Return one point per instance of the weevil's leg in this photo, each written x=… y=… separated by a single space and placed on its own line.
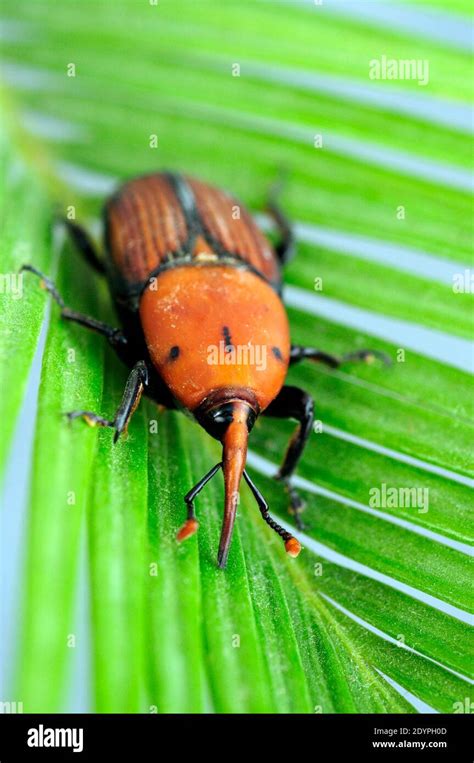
x=191 y=524
x=285 y=247
x=115 y=336
x=136 y=382
x=93 y=419
x=84 y=245
x=294 y=403
x=292 y=546
x=298 y=353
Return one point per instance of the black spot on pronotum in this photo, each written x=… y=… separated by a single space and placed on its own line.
x=227 y=339
x=174 y=352
x=277 y=353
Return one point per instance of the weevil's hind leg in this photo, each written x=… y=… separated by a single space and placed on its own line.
x=298 y=353
x=292 y=545
x=285 y=247
x=115 y=336
x=84 y=245
x=191 y=524
x=294 y=403
x=136 y=382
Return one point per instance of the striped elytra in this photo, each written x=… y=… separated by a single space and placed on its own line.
x=163 y=219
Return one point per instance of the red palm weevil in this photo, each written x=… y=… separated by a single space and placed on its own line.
x=189 y=271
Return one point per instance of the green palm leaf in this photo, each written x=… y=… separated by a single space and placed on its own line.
x=373 y=617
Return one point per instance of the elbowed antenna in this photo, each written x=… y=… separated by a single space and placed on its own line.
x=234 y=457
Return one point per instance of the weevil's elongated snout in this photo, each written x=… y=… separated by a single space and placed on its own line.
x=230 y=421
x=234 y=457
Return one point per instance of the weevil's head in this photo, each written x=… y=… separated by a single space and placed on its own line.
x=225 y=407
x=229 y=415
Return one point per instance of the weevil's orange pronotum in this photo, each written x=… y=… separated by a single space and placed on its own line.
x=197 y=288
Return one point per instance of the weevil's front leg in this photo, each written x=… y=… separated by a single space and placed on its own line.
x=115 y=336
x=298 y=353
x=294 y=403
x=136 y=382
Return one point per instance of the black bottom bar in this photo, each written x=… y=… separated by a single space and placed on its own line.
x=155 y=737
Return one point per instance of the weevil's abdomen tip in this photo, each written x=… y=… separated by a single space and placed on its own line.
x=188 y=529
x=293 y=547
